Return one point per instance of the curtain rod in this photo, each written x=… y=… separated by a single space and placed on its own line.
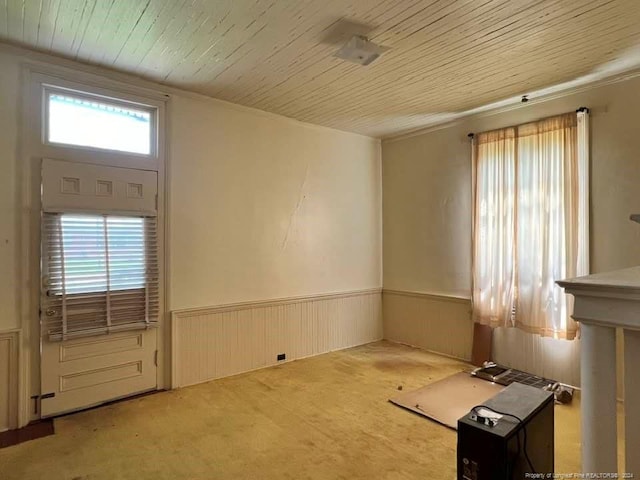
x=579 y=110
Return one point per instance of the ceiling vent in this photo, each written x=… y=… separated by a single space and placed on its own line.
x=360 y=50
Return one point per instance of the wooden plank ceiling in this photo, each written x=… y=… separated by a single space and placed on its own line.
x=444 y=56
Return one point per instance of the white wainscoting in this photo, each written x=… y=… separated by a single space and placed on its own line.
x=215 y=342
x=438 y=323
x=443 y=324
x=8 y=380
x=543 y=356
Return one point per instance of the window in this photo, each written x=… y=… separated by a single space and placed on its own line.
x=101 y=273
x=530 y=223
x=102 y=252
x=86 y=121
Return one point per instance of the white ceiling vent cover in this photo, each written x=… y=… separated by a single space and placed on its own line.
x=360 y=50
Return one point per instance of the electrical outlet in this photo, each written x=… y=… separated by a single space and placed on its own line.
x=282 y=356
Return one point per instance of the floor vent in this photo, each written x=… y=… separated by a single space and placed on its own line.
x=502 y=375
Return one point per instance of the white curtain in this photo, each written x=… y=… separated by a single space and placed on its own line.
x=530 y=223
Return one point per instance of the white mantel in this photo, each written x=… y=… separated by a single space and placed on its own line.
x=604 y=302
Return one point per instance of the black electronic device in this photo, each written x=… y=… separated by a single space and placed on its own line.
x=507 y=437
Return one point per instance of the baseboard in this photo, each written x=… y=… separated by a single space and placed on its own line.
x=34 y=430
x=453 y=357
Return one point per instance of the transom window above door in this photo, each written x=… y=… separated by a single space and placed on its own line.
x=82 y=120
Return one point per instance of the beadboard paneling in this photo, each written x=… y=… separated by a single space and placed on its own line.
x=443 y=324
x=8 y=379
x=215 y=342
x=437 y=323
x=543 y=356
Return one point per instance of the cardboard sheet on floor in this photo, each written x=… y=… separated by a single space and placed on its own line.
x=445 y=401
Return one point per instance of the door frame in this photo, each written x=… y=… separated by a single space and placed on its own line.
x=33 y=148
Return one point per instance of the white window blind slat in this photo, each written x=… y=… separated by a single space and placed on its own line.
x=101 y=274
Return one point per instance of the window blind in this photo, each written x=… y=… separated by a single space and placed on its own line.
x=100 y=274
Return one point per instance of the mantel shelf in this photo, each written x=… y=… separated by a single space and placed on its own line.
x=625 y=280
x=609 y=298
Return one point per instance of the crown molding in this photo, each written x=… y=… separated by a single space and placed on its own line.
x=96 y=75
x=53 y=64
x=513 y=103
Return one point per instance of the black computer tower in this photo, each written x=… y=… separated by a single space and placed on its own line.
x=497 y=452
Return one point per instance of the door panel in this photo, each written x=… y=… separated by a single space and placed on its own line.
x=82 y=372
x=82 y=186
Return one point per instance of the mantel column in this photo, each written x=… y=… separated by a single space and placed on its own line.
x=603 y=302
x=598 y=400
x=632 y=401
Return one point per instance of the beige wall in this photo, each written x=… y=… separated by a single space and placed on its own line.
x=426 y=217
x=427 y=202
x=9 y=234
x=261 y=206
x=264 y=207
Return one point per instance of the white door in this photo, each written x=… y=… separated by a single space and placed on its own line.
x=106 y=354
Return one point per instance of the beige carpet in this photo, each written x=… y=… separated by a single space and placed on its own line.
x=449 y=399
x=325 y=417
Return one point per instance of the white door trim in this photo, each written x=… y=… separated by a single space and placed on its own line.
x=32 y=150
